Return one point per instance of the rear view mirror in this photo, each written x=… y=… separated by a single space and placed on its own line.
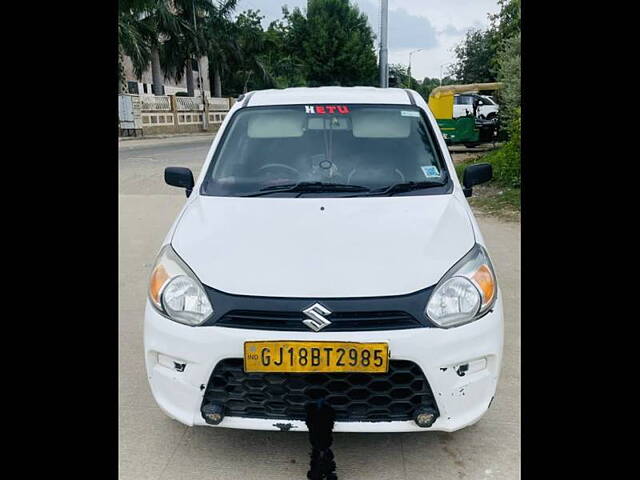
x=475 y=175
x=179 y=177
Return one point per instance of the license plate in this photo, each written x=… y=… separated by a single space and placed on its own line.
x=293 y=356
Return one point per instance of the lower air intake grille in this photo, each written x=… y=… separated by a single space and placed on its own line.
x=354 y=396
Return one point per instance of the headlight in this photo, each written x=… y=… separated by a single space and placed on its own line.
x=176 y=292
x=466 y=292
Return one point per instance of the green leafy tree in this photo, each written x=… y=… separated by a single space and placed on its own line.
x=286 y=67
x=401 y=79
x=249 y=67
x=504 y=26
x=477 y=54
x=506 y=23
x=334 y=43
x=428 y=84
x=252 y=41
x=475 y=58
x=220 y=42
x=500 y=48
x=399 y=76
x=506 y=160
x=509 y=72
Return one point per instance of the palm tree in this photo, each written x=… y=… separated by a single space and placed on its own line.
x=221 y=43
x=186 y=43
x=133 y=37
x=161 y=22
x=142 y=24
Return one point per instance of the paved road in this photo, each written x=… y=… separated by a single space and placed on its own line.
x=142 y=163
x=152 y=446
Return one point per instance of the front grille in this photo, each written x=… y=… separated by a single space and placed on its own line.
x=348 y=314
x=340 y=321
x=370 y=397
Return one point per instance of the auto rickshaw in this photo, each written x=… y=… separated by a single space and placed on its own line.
x=468 y=130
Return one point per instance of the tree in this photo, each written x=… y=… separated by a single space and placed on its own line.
x=398 y=76
x=187 y=41
x=475 y=58
x=334 y=43
x=506 y=23
x=477 y=54
x=330 y=44
x=504 y=26
x=133 y=37
x=508 y=60
x=221 y=45
x=252 y=42
x=160 y=22
x=248 y=67
x=281 y=59
x=141 y=26
x=428 y=84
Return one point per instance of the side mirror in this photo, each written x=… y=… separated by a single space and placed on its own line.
x=179 y=177
x=474 y=175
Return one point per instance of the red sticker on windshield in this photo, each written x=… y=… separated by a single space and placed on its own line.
x=323 y=109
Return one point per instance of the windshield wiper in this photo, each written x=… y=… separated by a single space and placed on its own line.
x=405 y=187
x=304 y=187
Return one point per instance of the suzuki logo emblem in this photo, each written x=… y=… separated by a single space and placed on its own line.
x=316 y=314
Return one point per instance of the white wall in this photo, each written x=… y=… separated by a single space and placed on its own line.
x=170 y=86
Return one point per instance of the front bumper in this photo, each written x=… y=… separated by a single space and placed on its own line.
x=180 y=360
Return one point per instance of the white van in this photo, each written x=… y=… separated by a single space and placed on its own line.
x=326 y=250
x=485 y=106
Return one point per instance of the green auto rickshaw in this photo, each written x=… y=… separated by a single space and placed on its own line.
x=469 y=130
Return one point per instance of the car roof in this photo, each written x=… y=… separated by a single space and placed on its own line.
x=328 y=95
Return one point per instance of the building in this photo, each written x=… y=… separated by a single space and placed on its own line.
x=170 y=87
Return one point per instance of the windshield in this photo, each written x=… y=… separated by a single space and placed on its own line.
x=327 y=150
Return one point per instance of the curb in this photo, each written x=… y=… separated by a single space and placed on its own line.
x=158 y=137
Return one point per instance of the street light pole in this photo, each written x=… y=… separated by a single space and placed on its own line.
x=409 y=69
x=205 y=113
x=448 y=63
x=384 y=70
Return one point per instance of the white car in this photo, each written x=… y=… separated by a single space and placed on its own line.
x=326 y=250
x=487 y=108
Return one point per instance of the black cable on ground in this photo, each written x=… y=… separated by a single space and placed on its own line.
x=320 y=419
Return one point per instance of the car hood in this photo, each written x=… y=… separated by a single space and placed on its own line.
x=322 y=247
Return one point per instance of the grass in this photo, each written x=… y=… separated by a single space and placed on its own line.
x=493 y=198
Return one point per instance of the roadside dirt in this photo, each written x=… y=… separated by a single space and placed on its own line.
x=496 y=202
x=459 y=157
x=488 y=199
x=460 y=153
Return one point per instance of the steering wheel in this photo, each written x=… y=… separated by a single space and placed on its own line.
x=279 y=165
x=269 y=174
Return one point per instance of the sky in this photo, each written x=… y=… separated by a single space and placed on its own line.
x=436 y=26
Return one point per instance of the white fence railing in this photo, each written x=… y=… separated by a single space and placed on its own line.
x=218 y=103
x=156 y=103
x=185 y=104
x=169 y=114
x=152 y=103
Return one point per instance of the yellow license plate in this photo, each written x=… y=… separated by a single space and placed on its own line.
x=292 y=356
